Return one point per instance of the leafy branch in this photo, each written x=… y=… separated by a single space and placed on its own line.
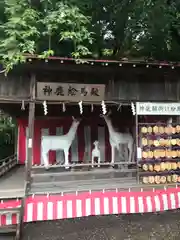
x=26 y=27
x=70 y=24
x=20 y=33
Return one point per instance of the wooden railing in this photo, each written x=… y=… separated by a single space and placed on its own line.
x=10 y=230
x=7 y=164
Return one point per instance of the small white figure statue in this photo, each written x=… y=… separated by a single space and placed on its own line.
x=118 y=139
x=62 y=142
x=96 y=153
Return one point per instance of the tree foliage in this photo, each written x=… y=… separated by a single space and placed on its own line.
x=7 y=135
x=31 y=28
x=89 y=28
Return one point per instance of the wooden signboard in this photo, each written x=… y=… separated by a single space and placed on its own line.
x=73 y=92
x=154 y=108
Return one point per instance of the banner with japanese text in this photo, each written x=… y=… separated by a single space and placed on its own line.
x=73 y=92
x=153 y=108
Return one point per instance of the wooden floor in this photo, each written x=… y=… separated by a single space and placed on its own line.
x=12 y=183
x=53 y=181
x=56 y=181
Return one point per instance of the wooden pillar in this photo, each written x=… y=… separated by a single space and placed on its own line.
x=30 y=133
x=29 y=156
x=178 y=96
x=30 y=144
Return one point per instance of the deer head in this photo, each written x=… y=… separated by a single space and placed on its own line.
x=96 y=143
x=76 y=121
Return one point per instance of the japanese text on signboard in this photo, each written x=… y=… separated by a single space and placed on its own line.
x=70 y=92
x=150 y=108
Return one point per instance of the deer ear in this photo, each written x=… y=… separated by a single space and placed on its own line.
x=73 y=118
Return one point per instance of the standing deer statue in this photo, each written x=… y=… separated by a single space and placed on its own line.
x=96 y=153
x=62 y=142
x=117 y=139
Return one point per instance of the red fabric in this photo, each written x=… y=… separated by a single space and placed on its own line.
x=52 y=207
x=101 y=203
x=10 y=204
x=4 y=219
x=21 y=142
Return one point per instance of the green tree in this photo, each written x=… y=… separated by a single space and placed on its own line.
x=89 y=28
x=31 y=28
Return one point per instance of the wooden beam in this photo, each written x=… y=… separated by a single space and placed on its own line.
x=30 y=131
x=29 y=154
x=30 y=143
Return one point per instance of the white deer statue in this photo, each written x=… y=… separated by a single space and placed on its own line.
x=96 y=153
x=62 y=142
x=117 y=139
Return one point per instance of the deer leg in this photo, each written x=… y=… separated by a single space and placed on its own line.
x=126 y=155
x=112 y=154
x=99 y=161
x=66 y=155
x=92 y=161
x=45 y=159
x=120 y=150
x=130 y=147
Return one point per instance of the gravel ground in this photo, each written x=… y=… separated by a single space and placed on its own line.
x=162 y=226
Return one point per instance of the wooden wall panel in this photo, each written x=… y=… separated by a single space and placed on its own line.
x=14 y=86
x=123 y=85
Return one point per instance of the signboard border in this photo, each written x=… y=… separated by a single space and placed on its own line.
x=170 y=113
x=78 y=98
